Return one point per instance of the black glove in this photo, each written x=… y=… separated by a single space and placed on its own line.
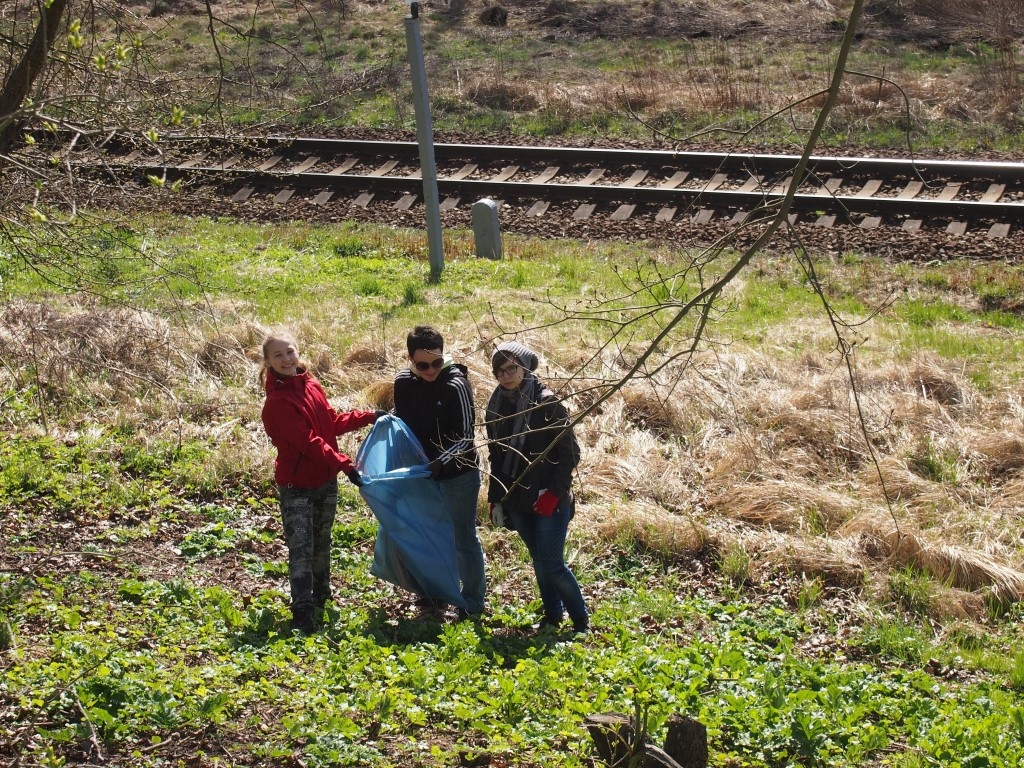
x=435 y=468
x=380 y=413
x=354 y=478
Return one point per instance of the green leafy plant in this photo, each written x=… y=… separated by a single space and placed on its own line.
x=1017 y=672
x=811 y=591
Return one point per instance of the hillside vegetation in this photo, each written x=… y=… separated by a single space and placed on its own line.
x=800 y=514
x=938 y=76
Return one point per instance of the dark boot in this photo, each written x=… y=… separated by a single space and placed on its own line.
x=321 y=616
x=303 y=622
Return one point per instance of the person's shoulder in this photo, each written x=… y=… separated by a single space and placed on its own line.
x=457 y=378
x=544 y=393
x=277 y=390
x=456 y=373
x=549 y=399
x=404 y=390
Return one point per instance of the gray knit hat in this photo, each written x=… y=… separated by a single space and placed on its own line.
x=524 y=354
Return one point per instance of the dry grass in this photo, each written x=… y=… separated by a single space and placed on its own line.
x=654 y=529
x=986 y=19
x=771 y=458
x=789 y=506
x=231 y=347
x=104 y=355
x=999 y=454
x=834 y=561
x=736 y=452
x=954 y=565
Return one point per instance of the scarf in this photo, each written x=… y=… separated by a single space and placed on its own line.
x=524 y=399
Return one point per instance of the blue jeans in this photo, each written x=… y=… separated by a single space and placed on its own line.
x=460 y=494
x=308 y=516
x=545 y=539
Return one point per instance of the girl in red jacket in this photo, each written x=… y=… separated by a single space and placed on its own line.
x=304 y=427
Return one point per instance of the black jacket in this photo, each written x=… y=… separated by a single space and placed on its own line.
x=441 y=415
x=543 y=424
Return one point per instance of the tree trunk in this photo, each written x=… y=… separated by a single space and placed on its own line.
x=20 y=81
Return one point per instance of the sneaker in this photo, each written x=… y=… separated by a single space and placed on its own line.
x=430 y=602
x=547 y=623
x=580 y=627
x=465 y=615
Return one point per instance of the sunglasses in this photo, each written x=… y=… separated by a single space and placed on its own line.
x=435 y=364
x=508 y=370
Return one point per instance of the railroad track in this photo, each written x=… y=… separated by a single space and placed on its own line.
x=702 y=188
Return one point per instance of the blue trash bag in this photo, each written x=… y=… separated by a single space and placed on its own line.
x=415 y=546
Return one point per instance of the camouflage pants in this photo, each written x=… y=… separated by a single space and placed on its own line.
x=308 y=516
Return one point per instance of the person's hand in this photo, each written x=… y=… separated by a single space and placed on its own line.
x=380 y=413
x=355 y=478
x=499 y=517
x=546 y=504
x=435 y=468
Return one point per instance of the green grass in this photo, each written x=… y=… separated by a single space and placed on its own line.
x=144 y=659
x=276 y=267
x=155 y=611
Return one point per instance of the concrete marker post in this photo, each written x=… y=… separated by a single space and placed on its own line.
x=486 y=229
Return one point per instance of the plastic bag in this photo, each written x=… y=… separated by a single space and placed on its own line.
x=415 y=546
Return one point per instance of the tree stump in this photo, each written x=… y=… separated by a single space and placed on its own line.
x=615 y=739
x=494 y=16
x=614 y=736
x=687 y=741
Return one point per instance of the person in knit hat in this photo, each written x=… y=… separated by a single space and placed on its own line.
x=523 y=420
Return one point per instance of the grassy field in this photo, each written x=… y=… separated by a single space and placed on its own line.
x=822 y=574
x=800 y=497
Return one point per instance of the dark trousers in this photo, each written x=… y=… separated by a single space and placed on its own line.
x=308 y=516
x=545 y=539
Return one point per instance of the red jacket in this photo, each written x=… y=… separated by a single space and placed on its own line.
x=304 y=427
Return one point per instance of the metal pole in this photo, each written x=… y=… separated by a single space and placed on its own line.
x=425 y=137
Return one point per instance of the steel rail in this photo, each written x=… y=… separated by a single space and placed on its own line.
x=915 y=190
x=862 y=165
x=694 y=196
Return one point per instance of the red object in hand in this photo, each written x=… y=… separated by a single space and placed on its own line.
x=546 y=504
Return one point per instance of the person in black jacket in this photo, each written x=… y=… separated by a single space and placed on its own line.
x=523 y=419
x=433 y=397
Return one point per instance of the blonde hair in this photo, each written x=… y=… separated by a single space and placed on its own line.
x=278 y=335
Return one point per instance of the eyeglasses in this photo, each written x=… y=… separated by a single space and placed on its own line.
x=508 y=370
x=435 y=364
